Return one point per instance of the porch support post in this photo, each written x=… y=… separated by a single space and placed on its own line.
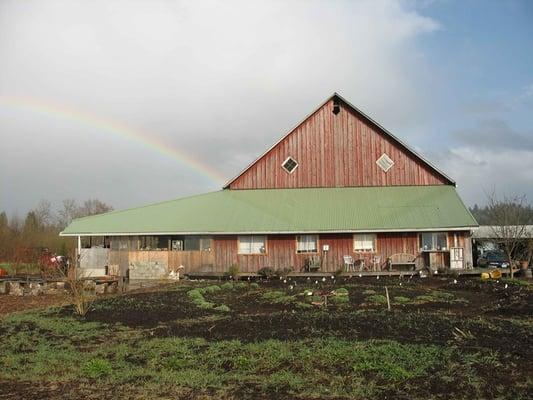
x=78 y=258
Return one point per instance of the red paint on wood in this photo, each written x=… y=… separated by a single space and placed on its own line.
x=337 y=151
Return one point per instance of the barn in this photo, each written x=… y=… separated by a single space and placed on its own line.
x=338 y=192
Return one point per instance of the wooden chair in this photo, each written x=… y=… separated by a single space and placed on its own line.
x=400 y=259
x=312 y=264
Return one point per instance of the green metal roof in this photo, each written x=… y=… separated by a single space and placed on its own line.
x=313 y=210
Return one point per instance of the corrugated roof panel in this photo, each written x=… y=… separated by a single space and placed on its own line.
x=289 y=210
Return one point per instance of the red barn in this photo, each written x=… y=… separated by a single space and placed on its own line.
x=338 y=192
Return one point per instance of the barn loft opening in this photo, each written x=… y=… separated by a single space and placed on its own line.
x=336 y=106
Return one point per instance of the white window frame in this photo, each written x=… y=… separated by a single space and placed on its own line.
x=434 y=241
x=253 y=239
x=295 y=167
x=306 y=251
x=365 y=237
x=389 y=161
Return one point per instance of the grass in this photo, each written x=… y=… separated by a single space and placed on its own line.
x=301 y=351
x=20 y=269
x=377 y=298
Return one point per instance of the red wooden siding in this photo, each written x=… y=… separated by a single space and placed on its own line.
x=281 y=251
x=337 y=151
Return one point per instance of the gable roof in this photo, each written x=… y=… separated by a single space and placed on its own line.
x=364 y=116
x=311 y=210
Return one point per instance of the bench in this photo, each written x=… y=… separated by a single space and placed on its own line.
x=402 y=259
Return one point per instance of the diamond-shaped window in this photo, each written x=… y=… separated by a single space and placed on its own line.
x=289 y=165
x=385 y=162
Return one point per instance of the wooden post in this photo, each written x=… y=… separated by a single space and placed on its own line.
x=388 y=299
x=78 y=259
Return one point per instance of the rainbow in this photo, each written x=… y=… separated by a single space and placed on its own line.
x=115 y=128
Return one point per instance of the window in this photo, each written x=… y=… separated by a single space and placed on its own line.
x=191 y=243
x=307 y=244
x=385 y=162
x=153 y=242
x=252 y=244
x=364 y=242
x=289 y=165
x=433 y=241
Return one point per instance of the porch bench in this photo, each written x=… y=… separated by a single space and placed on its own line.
x=402 y=259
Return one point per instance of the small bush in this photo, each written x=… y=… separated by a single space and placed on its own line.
x=241 y=285
x=424 y=298
x=442 y=296
x=377 y=298
x=340 y=299
x=205 y=305
x=401 y=299
x=223 y=308
x=274 y=294
x=195 y=294
x=212 y=289
x=266 y=272
x=303 y=306
x=97 y=368
x=233 y=272
x=313 y=299
x=283 y=271
x=341 y=292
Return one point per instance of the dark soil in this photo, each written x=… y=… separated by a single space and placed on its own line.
x=469 y=314
x=10 y=304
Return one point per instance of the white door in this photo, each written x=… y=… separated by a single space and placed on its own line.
x=456 y=258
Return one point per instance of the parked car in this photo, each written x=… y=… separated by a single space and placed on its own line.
x=493 y=258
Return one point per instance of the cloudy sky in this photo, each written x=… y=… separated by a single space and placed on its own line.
x=141 y=101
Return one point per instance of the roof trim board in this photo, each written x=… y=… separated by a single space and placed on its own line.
x=459 y=228
x=362 y=114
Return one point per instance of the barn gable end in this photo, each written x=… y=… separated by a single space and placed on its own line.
x=338 y=146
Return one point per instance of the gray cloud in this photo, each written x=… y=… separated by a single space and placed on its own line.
x=494 y=134
x=220 y=81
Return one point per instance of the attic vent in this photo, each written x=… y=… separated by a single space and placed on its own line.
x=289 y=165
x=336 y=106
x=384 y=162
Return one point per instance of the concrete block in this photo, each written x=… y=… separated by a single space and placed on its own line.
x=112 y=288
x=101 y=288
x=36 y=289
x=15 y=289
x=89 y=285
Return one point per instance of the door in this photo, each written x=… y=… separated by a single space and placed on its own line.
x=456 y=258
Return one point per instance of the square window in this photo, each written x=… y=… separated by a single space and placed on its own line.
x=252 y=244
x=307 y=244
x=364 y=242
x=385 y=162
x=289 y=165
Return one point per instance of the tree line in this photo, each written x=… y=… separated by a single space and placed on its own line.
x=24 y=238
x=490 y=213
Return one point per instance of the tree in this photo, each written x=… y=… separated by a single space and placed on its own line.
x=509 y=219
x=93 y=207
x=66 y=214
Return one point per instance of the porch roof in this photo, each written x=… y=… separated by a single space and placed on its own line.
x=313 y=210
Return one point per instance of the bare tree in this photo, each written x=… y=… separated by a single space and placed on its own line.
x=93 y=207
x=510 y=218
x=67 y=213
